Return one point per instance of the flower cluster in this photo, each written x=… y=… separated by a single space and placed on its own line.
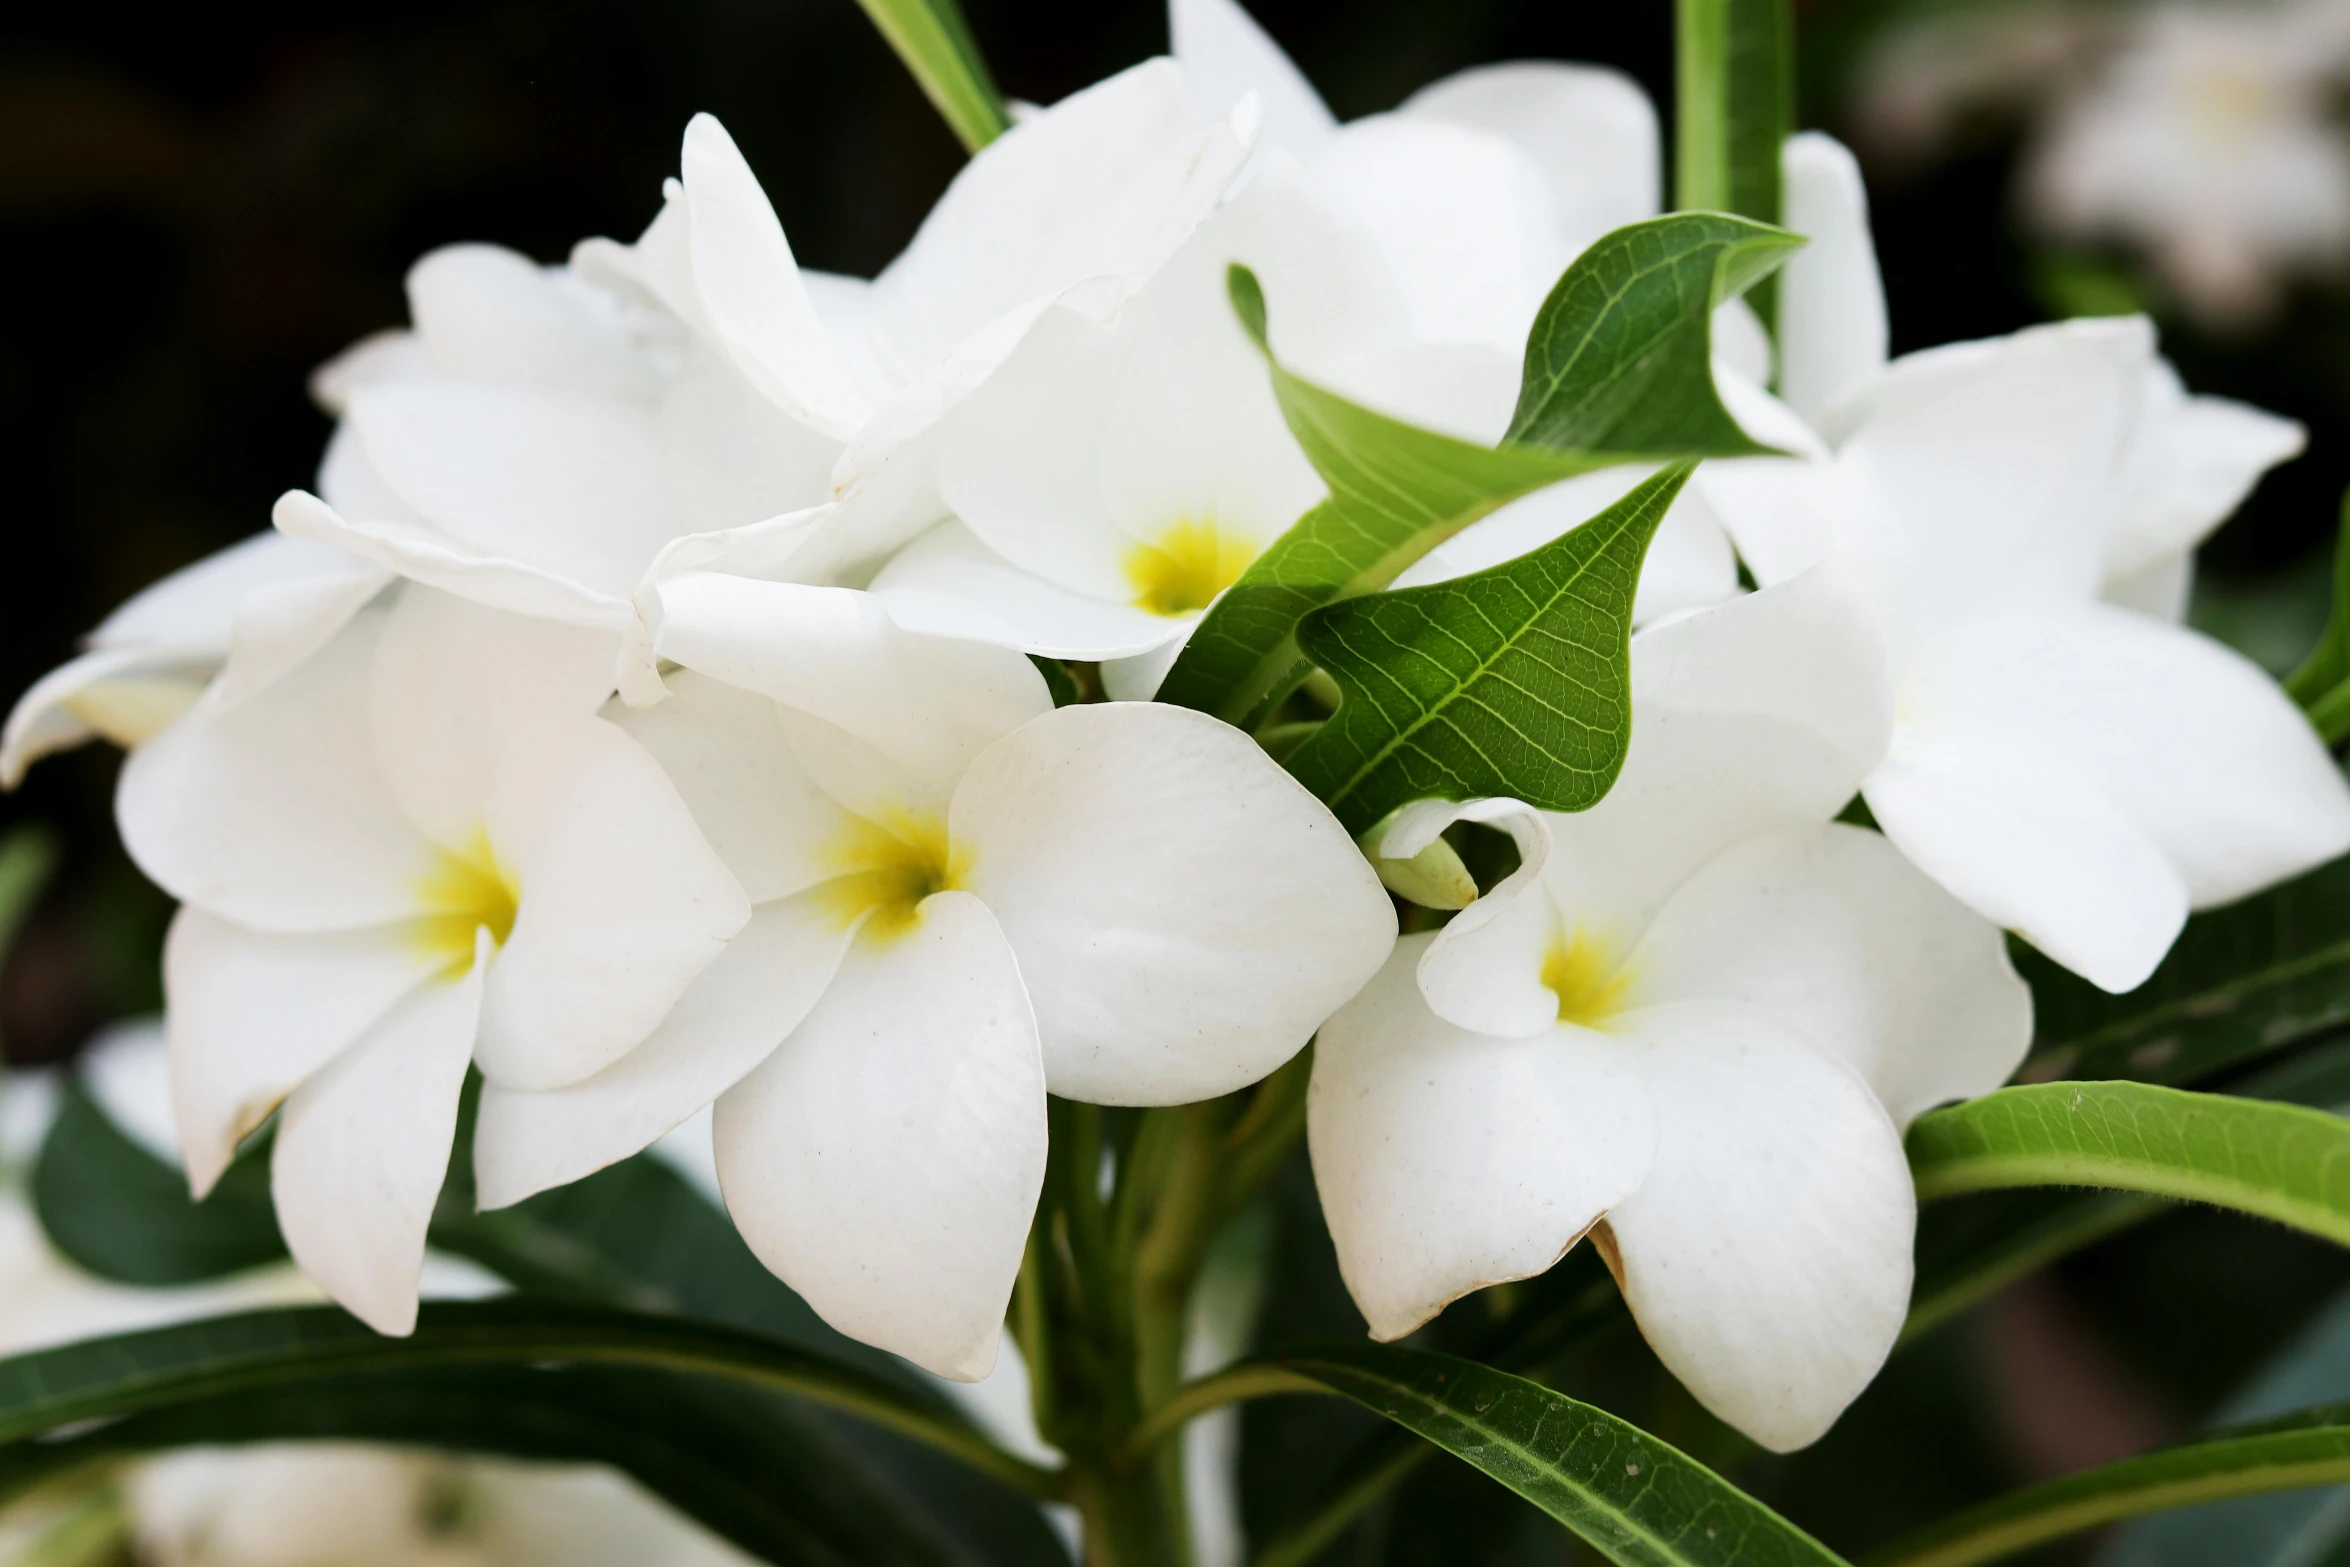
x=654 y=706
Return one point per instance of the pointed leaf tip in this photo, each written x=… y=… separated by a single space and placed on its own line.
x=1248 y=301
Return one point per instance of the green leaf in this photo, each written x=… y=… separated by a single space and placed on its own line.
x=1734 y=96
x=1510 y=681
x=1620 y=360
x=2311 y=1448
x=2322 y=684
x=935 y=43
x=28 y=857
x=108 y=1378
x=2275 y=1161
x=117 y=1211
x=1632 y=1498
x=770 y=1477
x=2256 y=977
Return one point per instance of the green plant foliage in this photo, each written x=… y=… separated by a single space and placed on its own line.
x=223 y=1357
x=1620 y=359
x=1635 y=1500
x=935 y=42
x=2322 y=684
x=2310 y=1448
x=2274 y=1161
x=752 y=1467
x=1968 y=1252
x=1512 y=681
x=1734 y=105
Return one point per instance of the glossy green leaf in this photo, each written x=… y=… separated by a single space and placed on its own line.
x=2311 y=1448
x=2275 y=1161
x=2322 y=684
x=117 y=1211
x=2242 y=982
x=935 y=43
x=1620 y=360
x=751 y=1467
x=1629 y=1496
x=1511 y=681
x=167 y=1368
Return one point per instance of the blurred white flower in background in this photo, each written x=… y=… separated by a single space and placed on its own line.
x=2207 y=137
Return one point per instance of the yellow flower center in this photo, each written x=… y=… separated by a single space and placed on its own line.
x=462 y=893
x=1186 y=567
x=1580 y=969
x=886 y=868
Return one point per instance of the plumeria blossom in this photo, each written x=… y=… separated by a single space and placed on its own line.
x=549 y=440
x=963 y=897
x=2076 y=771
x=2212 y=142
x=1692 y=1024
x=416 y=850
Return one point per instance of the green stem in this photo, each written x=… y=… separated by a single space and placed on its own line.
x=1734 y=82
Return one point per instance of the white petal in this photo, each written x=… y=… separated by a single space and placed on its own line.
x=126 y=694
x=1483 y=971
x=731 y=457
x=2189 y=739
x=1184 y=912
x=1767 y=1255
x=1764 y=711
x=622 y=903
x=363 y=1144
x=1829 y=930
x=736 y=1012
x=1106 y=182
x=1993 y=466
x=1832 y=327
x=948 y=584
x=725 y=751
x=925 y=706
x=274 y=813
x=280 y=625
x=482 y=312
x=1448 y=1161
x=1466 y=217
x=196 y=605
x=1465 y=390
x=1591 y=128
x=451 y=683
x=750 y=288
x=391 y=355
x=1225 y=56
x=567 y=482
x=885 y=1162
x=2163 y=589
x=2029 y=842
x=442 y=560
x=2192 y=464
x=1137 y=679
x=251 y=1015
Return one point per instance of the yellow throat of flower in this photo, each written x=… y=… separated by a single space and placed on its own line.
x=1182 y=571
x=462 y=893
x=885 y=868
x=1581 y=970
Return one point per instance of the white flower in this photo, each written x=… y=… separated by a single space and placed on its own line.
x=418 y=849
x=1692 y=1024
x=148 y=661
x=1480 y=188
x=964 y=897
x=552 y=439
x=2211 y=142
x=2075 y=771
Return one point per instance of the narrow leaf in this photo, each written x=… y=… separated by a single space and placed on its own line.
x=165 y=1368
x=1510 y=681
x=1618 y=369
x=2248 y=980
x=2311 y=1448
x=2274 y=1161
x=2322 y=684
x=1635 y=1500
x=935 y=42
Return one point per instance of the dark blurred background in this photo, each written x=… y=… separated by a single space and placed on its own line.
x=198 y=206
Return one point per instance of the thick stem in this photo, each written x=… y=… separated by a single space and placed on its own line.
x=1734 y=85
